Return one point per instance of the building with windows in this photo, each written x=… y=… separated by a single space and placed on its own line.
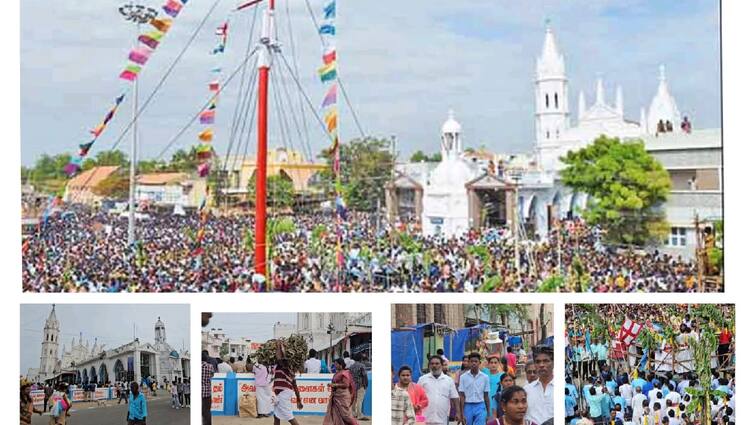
x=83 y=363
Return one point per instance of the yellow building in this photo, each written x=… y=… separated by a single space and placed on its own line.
x=283 y=162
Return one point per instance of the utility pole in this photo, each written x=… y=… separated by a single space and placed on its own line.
x=138 y=14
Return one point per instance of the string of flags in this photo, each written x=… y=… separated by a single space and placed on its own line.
x=138 y=58
x=328 y=74
x=204 y=151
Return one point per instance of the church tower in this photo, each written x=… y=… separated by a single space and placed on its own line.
x=551 y=94
x=450 y=143
x=48 y=358
x=159 y=332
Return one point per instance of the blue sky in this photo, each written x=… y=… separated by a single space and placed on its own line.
x=256 y=326
x=404 y=64
x=114 y=325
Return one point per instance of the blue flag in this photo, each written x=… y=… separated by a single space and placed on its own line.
x=328 y=29
x=330 y=10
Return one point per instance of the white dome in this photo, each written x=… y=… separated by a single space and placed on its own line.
x=451 y=125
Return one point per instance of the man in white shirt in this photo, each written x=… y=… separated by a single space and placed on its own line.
x=441 y=392
x=540 y=392
x=224 y=367
x=474 y=393
x=625 y=390
x=312 y=365
x=347 y=359
x=637 y=400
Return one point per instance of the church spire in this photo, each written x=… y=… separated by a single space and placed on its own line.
x=620 y=101
x=551 y=61
x=600 y=98
x=582 y=106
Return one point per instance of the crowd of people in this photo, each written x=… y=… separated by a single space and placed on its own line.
x=58 y=403
x=84 y=250
x=654 y=382
x=481 y=392
x=276 y=385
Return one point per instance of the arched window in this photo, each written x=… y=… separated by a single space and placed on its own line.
x=546 y=100
x=555 y=100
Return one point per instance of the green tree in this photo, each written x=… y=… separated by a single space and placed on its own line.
x=111 y=157
x=366 y=166
x=115 y=186
x=627 y=186
x=280 y=191
x=151 y=166
x=436 y=157
x=507 y=312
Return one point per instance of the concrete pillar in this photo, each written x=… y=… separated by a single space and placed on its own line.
x=418 y=203
x=137 y=367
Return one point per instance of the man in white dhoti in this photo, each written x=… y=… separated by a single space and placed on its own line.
x=264 y=391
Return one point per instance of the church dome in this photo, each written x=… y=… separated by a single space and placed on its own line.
x=451 y=125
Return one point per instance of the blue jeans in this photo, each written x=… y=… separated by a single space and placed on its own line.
x=475 y=413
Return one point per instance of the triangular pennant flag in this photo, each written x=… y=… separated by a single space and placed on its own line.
x=139 y=55
x=330 y=97
x=327 y=72
x=328 y=29
x=215 y=86
x=172 y=8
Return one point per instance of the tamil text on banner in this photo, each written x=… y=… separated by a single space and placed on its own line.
x=38 y=397
x=217 y=395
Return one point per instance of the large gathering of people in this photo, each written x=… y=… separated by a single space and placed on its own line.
x=610 y=384
x=483 y=391
x=84 y=250
x=276 y=386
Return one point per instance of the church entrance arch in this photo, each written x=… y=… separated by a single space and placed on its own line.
x=103 y=374
x=554 y=211
x=530 y=220
x=92 y=375
x=119 y=371
x=488 y=201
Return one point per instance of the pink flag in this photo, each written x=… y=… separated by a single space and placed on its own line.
x=139 y=55
x=330 y=97
x=128 y=75
x=203 y=169
x=172 y=8
x=215 y=86
x=207 y=117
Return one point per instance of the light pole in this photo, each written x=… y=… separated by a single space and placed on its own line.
x=331 y=329
x=137 y=14
x=516 y=177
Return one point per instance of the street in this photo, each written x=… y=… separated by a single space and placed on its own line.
x=159 y=412
x=235 y=420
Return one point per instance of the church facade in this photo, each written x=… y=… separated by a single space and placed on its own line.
x=464 y=192
x=84 y=364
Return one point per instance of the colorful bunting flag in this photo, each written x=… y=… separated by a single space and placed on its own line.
x=215 y=86
x=247 y=4
x=328 y=29
x=206 y=135
x=140 y=55
x=330 y=10
x=128 y=75
x=151 y=39
x=327 y=72
x=218 y=49
x=331 y=119
x=98 y=130
x=207 y=117
x=162 y=25
x=203 y=169
x=329 y=56
x=330 y=97
x=172 y=8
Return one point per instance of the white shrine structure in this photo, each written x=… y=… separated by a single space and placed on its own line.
x=471 y=189
x=83 y=363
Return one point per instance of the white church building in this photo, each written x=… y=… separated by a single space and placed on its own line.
x=84 y=364
x=464 y=191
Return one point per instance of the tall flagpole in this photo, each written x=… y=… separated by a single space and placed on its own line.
x=137 y=14
x=264 y=63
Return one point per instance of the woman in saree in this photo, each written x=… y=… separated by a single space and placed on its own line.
x=342 y=397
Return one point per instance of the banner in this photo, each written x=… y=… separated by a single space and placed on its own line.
x=217 y=395
x=102 y=394
x=38 y=397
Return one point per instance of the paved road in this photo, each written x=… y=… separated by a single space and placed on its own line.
x=235 y=420
x=158 y=409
